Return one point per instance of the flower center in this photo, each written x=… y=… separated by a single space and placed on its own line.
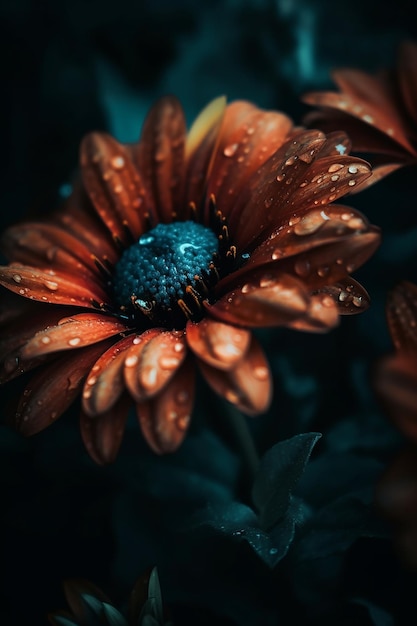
x=165 y=274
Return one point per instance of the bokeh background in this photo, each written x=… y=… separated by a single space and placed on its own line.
x=71 y=67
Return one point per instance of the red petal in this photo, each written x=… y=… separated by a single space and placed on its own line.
x=113 y=184
x=160 y=156
x=45 y=245
x=248 y=137
x=349 y=296
x=53 y=388
x=217 y=344
x=248 y=386
x=200 y=145
x=402 y=316
x=102 y=435
x=322 y=315
x=263 y=301
x=297 y=234
x=152 y=361
x=72 y=332
x=105 y=383
x=385 y=117
x=78 y=217
x=164 y=419
x=290 y=185
x=264 y=190
x=48 y=286
x=17 y=334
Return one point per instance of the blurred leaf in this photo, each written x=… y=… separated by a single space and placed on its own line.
x=280 y=470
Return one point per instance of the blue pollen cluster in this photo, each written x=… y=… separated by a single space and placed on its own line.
x=155 y=271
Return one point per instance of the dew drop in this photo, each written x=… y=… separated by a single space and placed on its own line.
x=310 y=223
x=323 y=271
x=46 y=339
x=131 y=361
x=51 y=285
x=357 y=301
x=302 y=268
x=280 y=177
x=149 y=376
x=230 y=150
x=17 y=278
x=335 y=167
x=179 y=347
x=74 y=341
x=54 y=415
x=268 y=202
x=118 y=162
x=352 y=169
x=246 y=288
x=277 y=254
x=261 y=372
x=168 y=362
x=182 y=422
x=137 y=340
x=273 y=551
x=356 y=223
x=351 y=183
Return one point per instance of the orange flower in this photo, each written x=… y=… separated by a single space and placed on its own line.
x=395 y=382
x=379 y=113
x=396 y=375
x=165 y=255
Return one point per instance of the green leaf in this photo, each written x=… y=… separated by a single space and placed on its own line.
x=280 y=470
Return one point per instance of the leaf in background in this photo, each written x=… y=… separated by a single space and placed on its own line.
x=280 y=470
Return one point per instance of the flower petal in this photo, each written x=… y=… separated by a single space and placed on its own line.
x=160 y=156
x=102 y=435
x=105 y=383
x=248 y=385
x=248 y=137
x=217 y=344
x=78 y=217
x=113 y=184
x=290 y=184
x=164 y=419
x=72 y=332
x=402 y=316
x=45 y=245
x=298 y=234
x=48 y=286
x=349 y=296
x=53 y=388
x=395 y=382
x=152 y=361
x=385 y=118
x=322 y=315
x=16 y=335
x=271 y=300
x=200 y=145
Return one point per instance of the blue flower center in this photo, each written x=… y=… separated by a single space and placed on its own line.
x=158 y=273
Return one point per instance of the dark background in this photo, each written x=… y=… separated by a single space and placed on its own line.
x=71 y=67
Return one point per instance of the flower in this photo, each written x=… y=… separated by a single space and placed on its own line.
x=90 y=606
x=395 y=378
x=167 y=253
x=378 y=112
x=395 y=382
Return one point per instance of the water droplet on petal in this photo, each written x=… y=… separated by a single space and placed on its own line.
x=352 y=169
x=351 y=183
x=310 y=223
x=17 y=278
x=182 y=397
x=46 y=339
x=261 y=372
x=74 y=341
x=230 y=150
x=118 y=162
x=168 y=362
x=131 y=360
x=335 y=167
x=182 y=422
x=51 y=285
x=268 y=202
x=302 y=268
